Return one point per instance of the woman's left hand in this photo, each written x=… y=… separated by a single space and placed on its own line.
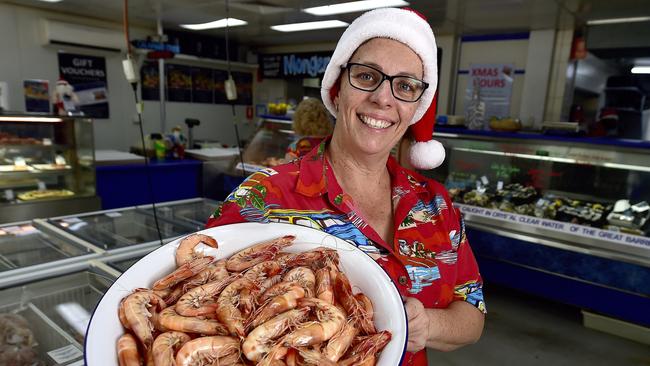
x=418 y=325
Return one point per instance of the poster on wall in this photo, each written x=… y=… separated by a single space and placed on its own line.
x=219 y=77
x=37 y=96
x=87 y=74
x=202 y=88
x=150 y=87
x=244 y=83
x=179 y=83
x=494 y=84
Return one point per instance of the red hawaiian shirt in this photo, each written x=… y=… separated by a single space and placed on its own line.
x=429 y=257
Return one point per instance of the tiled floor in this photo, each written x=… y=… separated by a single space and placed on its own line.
x=526 y=330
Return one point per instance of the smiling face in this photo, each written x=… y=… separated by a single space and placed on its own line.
x=371 y=123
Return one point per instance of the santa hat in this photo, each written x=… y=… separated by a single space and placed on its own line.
x=412 y=29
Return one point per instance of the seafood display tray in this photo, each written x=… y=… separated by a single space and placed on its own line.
x=37 y=302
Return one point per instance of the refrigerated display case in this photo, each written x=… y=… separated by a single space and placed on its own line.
x=267 y=147
x=46 y=167
x=194 y=212
x=545 y=211
x=23 y=245
x=113 y=230
x=49 y=317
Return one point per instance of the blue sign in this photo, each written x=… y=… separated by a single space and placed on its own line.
x=294 y=65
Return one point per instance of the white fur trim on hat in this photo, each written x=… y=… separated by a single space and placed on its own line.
x=427 y=155
x=401 y=25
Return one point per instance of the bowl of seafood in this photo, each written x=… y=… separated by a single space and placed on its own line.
x=250 y=294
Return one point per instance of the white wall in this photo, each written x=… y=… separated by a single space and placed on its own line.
x=22 y=56
x=538 y=70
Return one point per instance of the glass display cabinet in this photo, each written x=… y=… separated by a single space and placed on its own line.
x=193 y=212
x=542 y=210
x=115 y=230
x=46 y=167
x=267 y=147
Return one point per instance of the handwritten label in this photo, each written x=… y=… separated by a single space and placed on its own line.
x=564 y=227
x=65 y=354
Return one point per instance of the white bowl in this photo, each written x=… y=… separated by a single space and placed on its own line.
x=364 y=274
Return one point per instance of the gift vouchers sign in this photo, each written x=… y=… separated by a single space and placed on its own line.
x=87 y=74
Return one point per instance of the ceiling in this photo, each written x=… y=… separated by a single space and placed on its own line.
x=446 y=16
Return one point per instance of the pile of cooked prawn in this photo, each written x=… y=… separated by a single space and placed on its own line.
x=261 y=306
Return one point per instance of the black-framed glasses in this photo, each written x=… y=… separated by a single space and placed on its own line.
x=367 y=78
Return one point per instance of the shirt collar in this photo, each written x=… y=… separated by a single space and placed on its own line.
x=315 y=172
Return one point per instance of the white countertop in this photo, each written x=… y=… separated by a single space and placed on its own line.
x=104 y=157
x=213 y=153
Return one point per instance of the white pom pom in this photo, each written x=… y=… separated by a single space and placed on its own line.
x=427 y=155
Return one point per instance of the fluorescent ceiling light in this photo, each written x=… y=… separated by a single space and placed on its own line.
x=29 y=119
x=51 y=1
x=221 y=23
x=617 y=20
x=641 y=70
x=354 y=6
x=297 y=27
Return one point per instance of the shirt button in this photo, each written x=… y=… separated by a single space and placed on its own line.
x=402 y=280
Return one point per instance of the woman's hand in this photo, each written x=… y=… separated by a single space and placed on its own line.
x=442 y=329
x=418 y=325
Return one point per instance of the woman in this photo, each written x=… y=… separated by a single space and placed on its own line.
x=381 y=79
x=312 y=124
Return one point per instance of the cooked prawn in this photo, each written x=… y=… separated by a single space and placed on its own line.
x=262 y=271
x=206 y=350
x=281 y=303
x=324 y=289
x=340 y=343
x=170 y=320
x=258 y=253
x=258 y=341
x=366 y=348
x=330 y=321
x=127 y=351
x=201 y=301
x=166 y=345
x=227 y=306
x=343 y=292
x=185 y=251
x=304 y=277
x=213 y=272
x=314 y=357
x=137 y=314
x=269 y=282
x=320 y=255
x=183 y=272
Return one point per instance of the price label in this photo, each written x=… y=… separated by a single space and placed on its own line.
x=65 y=354
x=47 y=142
x=78 y=363
x=59 y=160
x=113 y=214
x=19 y=162
x=72 y=220
x=485 y=180
x=9 y=194
x=499 y=185
x=41 y=185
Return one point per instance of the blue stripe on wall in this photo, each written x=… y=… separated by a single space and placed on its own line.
x=496 y=37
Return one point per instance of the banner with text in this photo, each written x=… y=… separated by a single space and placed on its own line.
x=494 y=82
x=294 y=65
x=563 y=227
